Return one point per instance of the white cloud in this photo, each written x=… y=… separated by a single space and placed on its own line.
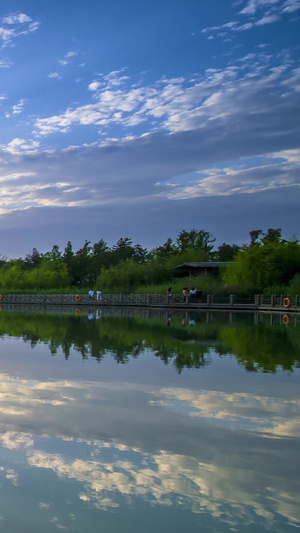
x=54 y=75
x=174 y=105
x=215 y=123
x=14 y=25
x=270 y=11
x=222 y=117
x=16 y=18
x=94 y=85
x=13 y=440
x=5 y=63
x=63 y=62
x=267 y=19
x=290 y=6
x=18 y=108
x=71 y=54
x=243 y=27
x=253 y=5
x=20 y=146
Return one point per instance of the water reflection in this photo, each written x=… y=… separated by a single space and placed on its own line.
x=140 y=447
x=199 y=464
x=185 y=339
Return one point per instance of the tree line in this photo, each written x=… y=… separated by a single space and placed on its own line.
x=266 y=260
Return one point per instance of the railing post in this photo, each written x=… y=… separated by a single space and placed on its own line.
x=273 y=298
x=256 y=300
x=208 y=299
x=231 y=299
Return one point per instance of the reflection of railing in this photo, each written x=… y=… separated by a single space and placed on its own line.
x=230 y=301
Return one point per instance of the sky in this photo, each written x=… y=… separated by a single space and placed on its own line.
x=139 y=119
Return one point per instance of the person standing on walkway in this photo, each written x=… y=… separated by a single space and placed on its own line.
x=199 y=295
x=99 y=295
x=193 y=294
x=91 y=294
x=169 y=293
x=186 y=294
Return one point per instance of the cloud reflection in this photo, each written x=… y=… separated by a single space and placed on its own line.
x=229 y=472
x=168 y=479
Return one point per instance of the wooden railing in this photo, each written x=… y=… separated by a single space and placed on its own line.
x=160 y=300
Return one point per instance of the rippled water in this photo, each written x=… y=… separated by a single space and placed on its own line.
x=133 y=420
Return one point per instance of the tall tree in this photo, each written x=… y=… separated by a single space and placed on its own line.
x=68 y=259
x=100 y=258
x=122 y=250
x=272 y=235
x=226 y=252
x=161 y=253
x=197 y=239
x=140 y=254
x=55 y=254
x=254 y=236
x=34 y=259
x=82 y=264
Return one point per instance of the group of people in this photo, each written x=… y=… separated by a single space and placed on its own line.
x=92 y=295
x=193 y=295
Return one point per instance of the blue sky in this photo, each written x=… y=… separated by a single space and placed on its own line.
x=139 y=119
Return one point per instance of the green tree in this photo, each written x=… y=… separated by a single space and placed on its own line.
x=140 y=254
x=122 y=250
x=226 y=252
x=269 y=264
x=161 y=253
x=254 y=236
x=68 y=259
x=52 y=274
x=100 y=258
x=82 y=265
x=197 y=239
x=54 y=255
x=273 y=235
x=34 y=259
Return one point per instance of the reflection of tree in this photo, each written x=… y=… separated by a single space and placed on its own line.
x=263 y=348
x=260 y=347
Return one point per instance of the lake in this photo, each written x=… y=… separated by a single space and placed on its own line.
x=138 y=420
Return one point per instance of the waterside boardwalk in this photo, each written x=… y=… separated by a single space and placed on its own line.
x=256 y=302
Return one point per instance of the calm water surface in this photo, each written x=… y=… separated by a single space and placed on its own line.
x=139 y=421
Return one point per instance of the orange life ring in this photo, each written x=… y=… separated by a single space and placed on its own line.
x=285 y=320
x=77 y=311
x=78 y=297
x=286 y=302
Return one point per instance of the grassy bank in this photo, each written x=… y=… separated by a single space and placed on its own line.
x=207 y=285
